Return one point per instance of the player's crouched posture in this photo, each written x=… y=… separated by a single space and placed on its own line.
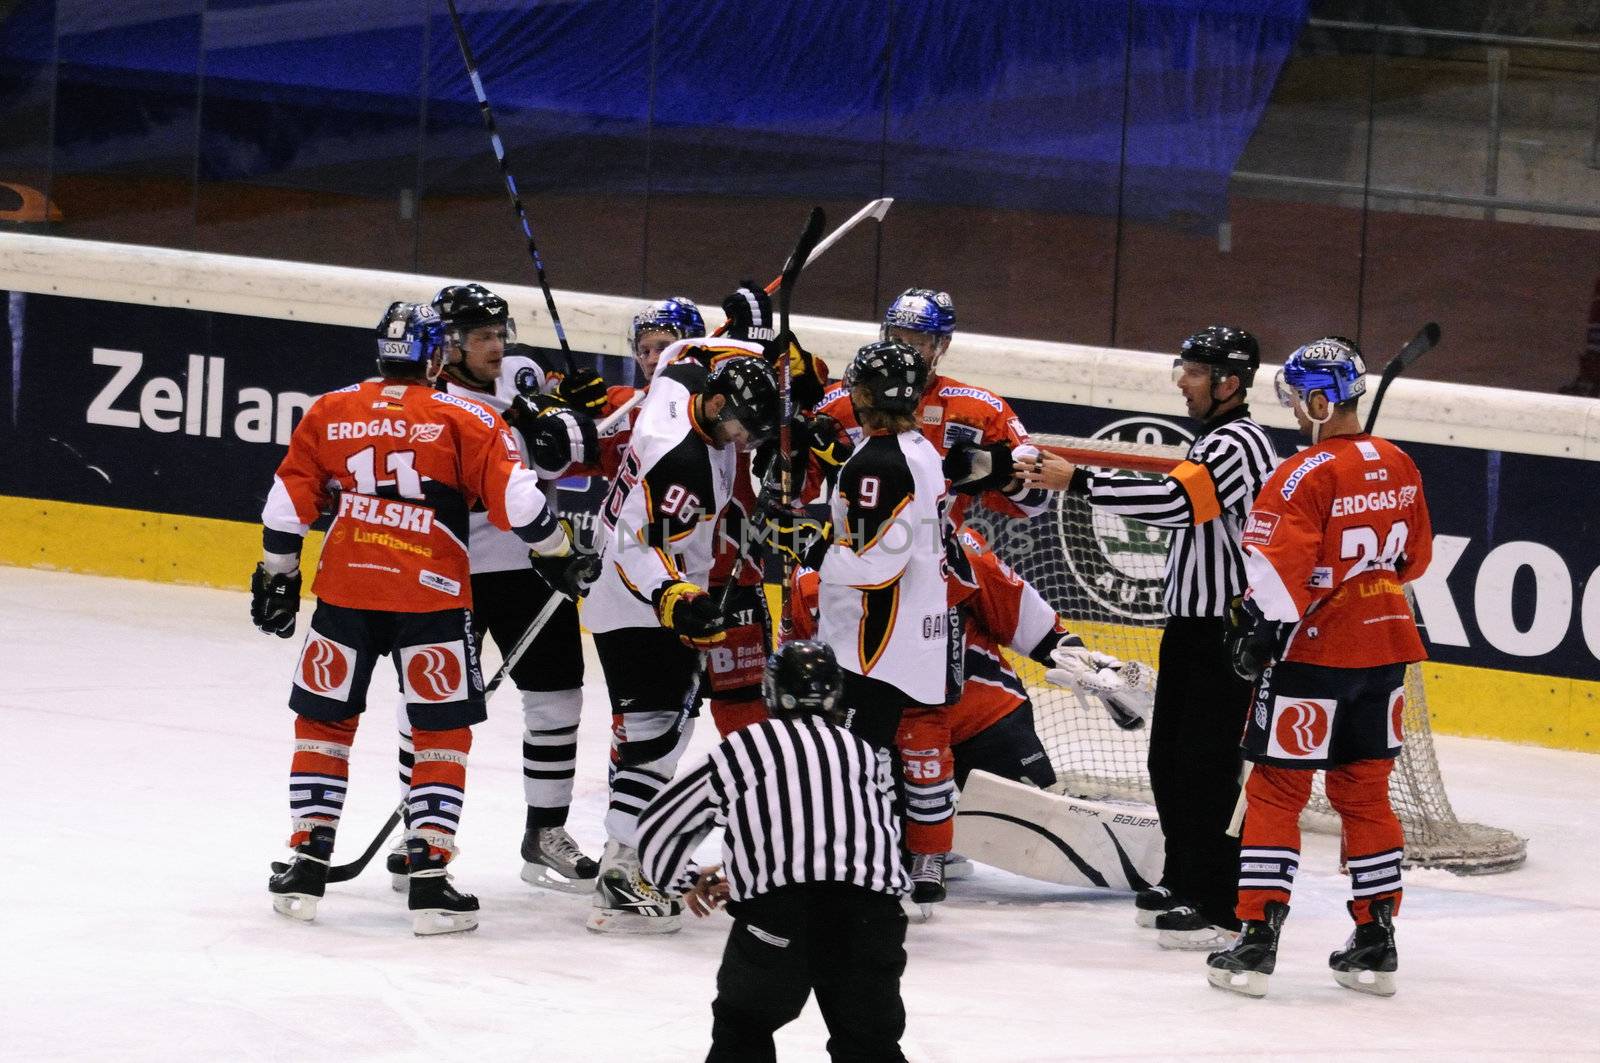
x=811 y=869
x=400 y=465
x=1325 y=628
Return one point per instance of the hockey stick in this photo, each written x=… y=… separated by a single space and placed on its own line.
x=511 y=182
x=1419 y=345
x=874 y=210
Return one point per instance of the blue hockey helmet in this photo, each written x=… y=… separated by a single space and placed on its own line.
x=678 y=315
x=410 y=336
x=921 y=310
x=1332 y=365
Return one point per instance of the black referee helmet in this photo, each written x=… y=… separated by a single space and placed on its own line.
x=1227 y=350
x=804 y=678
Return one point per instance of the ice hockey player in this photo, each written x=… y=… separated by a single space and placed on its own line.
x=1199 y=702
x=974 y=430
x=812 y=880
x=649 y=610
x=1325 y=630
x=399 y=464
x=548 y=406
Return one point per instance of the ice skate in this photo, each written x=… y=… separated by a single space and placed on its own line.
x=553 y=860
x=1184 y=929
x=1369 y=959
x=625 y=902
x=927 y=886
x=298 y=887
x=396 y=863
x=1245 y=966
x=956 y=867
x=1151 y=902
x=436 y=906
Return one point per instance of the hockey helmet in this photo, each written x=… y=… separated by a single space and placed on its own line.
x=921 y=310
x=410 y=336
x=1332 y=365
x=465 y=307
x=752 y=393
x=678 y=315
x=894 y=373
x=1227 y=350
x=804 y=678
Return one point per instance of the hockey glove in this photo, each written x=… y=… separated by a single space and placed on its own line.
x=1254 y=642
x=828 y=443
x=583 y=389
x=973 y=469
x=1126 y=690
x=749 y=311
x=559 y=439
x=526 y=408
x=689 y=612
x=274 y=600
x=806 y=375
x=793 y=534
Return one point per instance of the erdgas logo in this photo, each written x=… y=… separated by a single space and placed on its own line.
x=199 y=405
x=1121 y=562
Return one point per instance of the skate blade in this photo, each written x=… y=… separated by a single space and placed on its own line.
x=429 y=922
x=399 y=883
x=957 y=867
x=916 y=913
x=1245 y=983
x=618 y=921
x=1377 y=983
x=1210 y=939
x=298 y=906
x=1146 y=919
x=550 y=879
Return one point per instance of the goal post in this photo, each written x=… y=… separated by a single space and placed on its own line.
x=1103 y=573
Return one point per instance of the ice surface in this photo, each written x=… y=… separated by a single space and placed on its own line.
x=144 y=748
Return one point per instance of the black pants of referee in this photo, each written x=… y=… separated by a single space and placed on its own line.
x=1199 y=715
x=846 y=943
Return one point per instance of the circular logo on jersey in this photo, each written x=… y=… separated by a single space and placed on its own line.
x=434 y=673
x=1397 y=716
x=1302 y=728
x=1118 y=562
x=526 y=381
x=323 y=668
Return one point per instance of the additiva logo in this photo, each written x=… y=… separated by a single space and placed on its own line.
x=1300 y=727
x=1121 y=566
x=434 y=673
x=325 y=668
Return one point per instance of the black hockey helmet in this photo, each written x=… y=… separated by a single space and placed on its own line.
x=893 y=372
x=804 y=678
x=1229 y=351
x=465 y=307
x=752 y=393
x=410 y=337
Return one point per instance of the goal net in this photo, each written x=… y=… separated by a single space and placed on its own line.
x=1104 y=574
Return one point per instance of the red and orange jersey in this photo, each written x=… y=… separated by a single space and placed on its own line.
x=950 y=413
x=399 y=465
x=1333 y=537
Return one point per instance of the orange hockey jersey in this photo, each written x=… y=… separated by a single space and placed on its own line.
x=1333 y=537
x=400 y=465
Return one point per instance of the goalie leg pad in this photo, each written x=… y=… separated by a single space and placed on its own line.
x=1054 y=838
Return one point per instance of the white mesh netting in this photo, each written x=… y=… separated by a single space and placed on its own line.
x=1103 y=573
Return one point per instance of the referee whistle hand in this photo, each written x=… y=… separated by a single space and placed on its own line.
x=1045 y=470
x=708 y=893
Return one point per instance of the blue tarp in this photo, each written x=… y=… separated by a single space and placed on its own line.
x=1029 y=103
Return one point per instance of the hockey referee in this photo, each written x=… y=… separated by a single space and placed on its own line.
x=811 y=870
x=1200 y=704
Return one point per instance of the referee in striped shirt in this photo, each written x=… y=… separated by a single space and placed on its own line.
x=811 y=868
x=1200 y=704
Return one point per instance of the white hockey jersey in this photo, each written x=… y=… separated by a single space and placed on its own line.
x=490 y=549
x=883 y=606
x=658 y=522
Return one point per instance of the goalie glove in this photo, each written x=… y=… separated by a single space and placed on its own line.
x=1125 y=689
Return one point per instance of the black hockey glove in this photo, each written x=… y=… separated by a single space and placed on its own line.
x=691 y=614
x=572 y=575
x=973 y=469
x=525 y=408
x=558 y=439
x=1254 y=642
x=828 y=443
x=749 y=311
x=793 y=533
x=806 y=375
x=583 y=389
x=274 y=601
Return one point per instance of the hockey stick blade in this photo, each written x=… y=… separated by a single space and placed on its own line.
x=797 y=260
x=1420 y=344
x=346 y=872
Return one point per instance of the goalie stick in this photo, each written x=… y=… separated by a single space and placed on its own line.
x=511 y=182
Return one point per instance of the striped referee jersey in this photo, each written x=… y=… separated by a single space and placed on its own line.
x=802 y=800
x=1204 y=501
